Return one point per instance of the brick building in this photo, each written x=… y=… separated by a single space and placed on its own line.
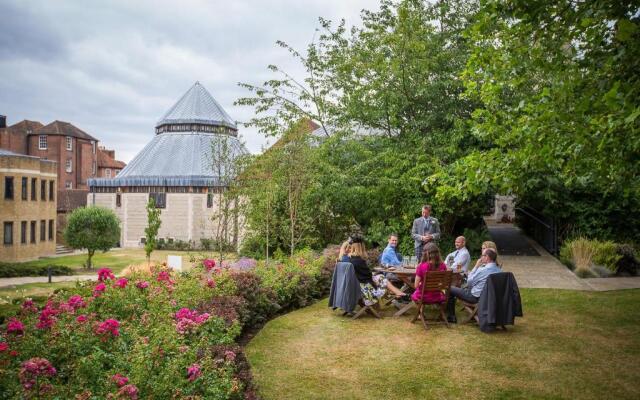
x=108 y=166
x=27 y=206
x=74 y=150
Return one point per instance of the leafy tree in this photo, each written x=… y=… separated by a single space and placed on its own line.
x=388 y=95
x=558 y=119
x=153 y=226
x=92 y=228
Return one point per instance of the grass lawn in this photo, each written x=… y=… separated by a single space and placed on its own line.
x=116 y=259
x=570 y=344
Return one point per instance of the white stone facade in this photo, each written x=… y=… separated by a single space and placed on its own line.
x=185 y=217
x=505 y=210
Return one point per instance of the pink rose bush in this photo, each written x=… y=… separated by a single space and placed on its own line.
x=99 y=339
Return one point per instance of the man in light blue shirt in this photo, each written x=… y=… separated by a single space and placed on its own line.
x=390 y=257
x=459 y=259
x=475 y=283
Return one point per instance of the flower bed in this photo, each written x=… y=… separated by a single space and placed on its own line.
x=158 y=335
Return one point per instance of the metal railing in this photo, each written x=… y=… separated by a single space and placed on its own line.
x=543 y=230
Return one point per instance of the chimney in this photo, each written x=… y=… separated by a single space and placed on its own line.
x=3 y=121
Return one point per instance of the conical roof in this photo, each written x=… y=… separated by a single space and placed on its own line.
x=186 y=155
x=197 y=106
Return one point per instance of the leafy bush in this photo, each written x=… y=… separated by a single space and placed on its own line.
x=628 y=263
x=151 y=334
x=10 y=270
x=596 y=258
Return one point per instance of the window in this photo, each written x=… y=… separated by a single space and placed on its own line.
x=33 y=188
x=68 y=185
x=8 y=233
x=209 y=200
x=23 y=232
x=25 y=184
x=68 y=166
x=107 y=173
x=51 y=190
x=118 y=200
x=33 y=231
x=50 y=229
x=43 y=230
x=69 y=143
x=93 y=147
x=93 y=168
x=143 y=240
x=160 y=199
x=43 y=189
x=42 y=142
x=8 y=187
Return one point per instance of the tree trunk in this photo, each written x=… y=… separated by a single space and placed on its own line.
x=90 y=254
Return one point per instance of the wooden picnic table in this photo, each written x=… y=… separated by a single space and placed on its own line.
x=407 y=275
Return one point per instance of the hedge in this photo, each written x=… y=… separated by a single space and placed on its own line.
x=12 y=270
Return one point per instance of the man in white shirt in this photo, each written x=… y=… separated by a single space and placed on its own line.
x=459 y=259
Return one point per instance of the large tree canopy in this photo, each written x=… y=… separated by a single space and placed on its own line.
x=451 y=102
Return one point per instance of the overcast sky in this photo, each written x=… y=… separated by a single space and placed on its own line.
x=113 y=68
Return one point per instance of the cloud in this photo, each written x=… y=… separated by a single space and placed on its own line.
x=114 y=68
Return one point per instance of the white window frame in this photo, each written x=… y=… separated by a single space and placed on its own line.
x=93 y=168
x=107 y=172
x=42 y=142
x=69 y=143
x=68 y=166
x=93 y=147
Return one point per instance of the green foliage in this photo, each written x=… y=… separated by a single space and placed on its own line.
x=153 y=225
x=558 y=121
x=92 y=228
x=591 y=257
x=11 y=270
x=152 y=347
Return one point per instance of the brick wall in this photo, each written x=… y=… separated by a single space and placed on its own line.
x=17 y=210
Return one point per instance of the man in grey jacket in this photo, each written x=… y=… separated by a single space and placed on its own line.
x=425 y=229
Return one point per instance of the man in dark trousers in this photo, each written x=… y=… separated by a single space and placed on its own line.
x=475 y=283
x=425 y=229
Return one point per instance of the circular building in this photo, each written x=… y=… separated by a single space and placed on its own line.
x=185 y=169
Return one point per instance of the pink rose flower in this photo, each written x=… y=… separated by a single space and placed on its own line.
x=76 y=302
x=107 y=327
x=33 y=369
x=4 y=346
x=211 y=283
x=28 y=305
x=120 y=380
x=193 y=372
x=130 y=391
x=209 y=263
x=15 y=327
x=142 y=284
x=229 y=355
x=121 y=283
x=99 y=289
x=104 y=274
x=81 y=318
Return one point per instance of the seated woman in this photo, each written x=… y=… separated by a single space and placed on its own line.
x=372 y=287
x=431 y=261
x=345 y=248
x=487 y=245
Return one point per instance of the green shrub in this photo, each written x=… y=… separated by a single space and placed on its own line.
x=12 y=270
x=606 y=254
x=584 y=254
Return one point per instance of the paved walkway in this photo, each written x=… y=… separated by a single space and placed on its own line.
x=10 y=282
x=545 y=271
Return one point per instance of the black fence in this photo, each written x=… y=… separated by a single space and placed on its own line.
x=543 y=230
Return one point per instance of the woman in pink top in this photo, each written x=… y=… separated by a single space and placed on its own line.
x=431 y=261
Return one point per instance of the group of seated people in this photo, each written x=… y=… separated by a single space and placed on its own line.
x=374 y=285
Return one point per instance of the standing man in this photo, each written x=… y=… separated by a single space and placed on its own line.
x=460 y=259
x=425 y=229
